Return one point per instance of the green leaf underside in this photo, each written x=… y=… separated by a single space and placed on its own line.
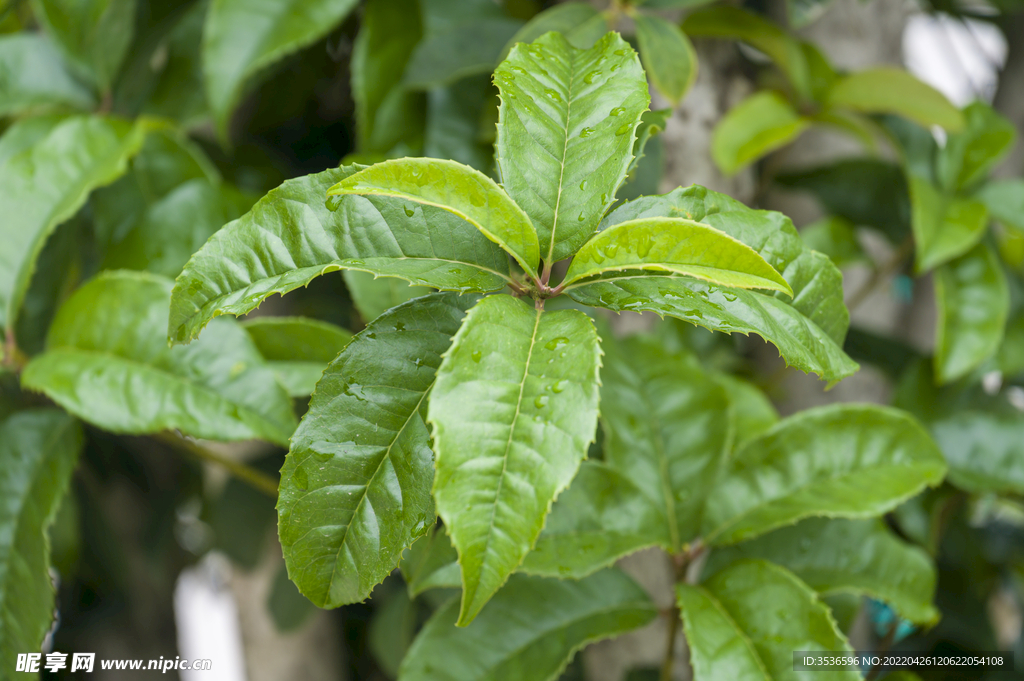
x=355 y=488
x=746 y=621
x=39 y=449
x=945 y=226
x=667 y=55
x=241 y=38
x=529 y=631
x=889 y=90
x=458 y=189
x=674 y=245
x=817 y=285
x=32 y=77
x=566 y=128
x=431 y=563
x=850 y=461
x=846 y=556
x=107 y=362
x=973 y=301
x=800 y=341
x=297 y=348
x=290 y=238
x=756 y=126
x=373 y=296
x=513 y=412
x=45 y=183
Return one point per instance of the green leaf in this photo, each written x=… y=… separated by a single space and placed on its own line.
x=970 y=154
x=752 y=411
x=753 y=128
x=46 y=183
x=460 y=190
x=464 y=49
x=241 y=38
x=667 y=426
x=297 y=349
x=887 y=90
x=602 y=517
x=651 y=123
x=746 y=621
x=177 y=91
x=674 y=245
x=984 y=449
x=107 y=362
x=373 y=296
x=387 y=35
x=529 y=632
x=973 y=301
x=667 y=55
x=1004 y=200
x=577 y=21
x=431 y=563
x=945 y=225
x=566 y=127
x=849 y=461
x=288 y=608
x=847 y=556
x=391 y=630
x=93 y=34
x=866 y=192
x=454 y=127
x=39 y=449
x=513 y=412
x=836 y=238
x=290 y=237
x=33 y=77
x=355 y=488
x=758 y=32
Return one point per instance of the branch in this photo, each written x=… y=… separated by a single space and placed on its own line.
x=247 y=474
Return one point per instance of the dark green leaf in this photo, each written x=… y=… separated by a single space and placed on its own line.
x=600 y=518
x=847 y=556
x=290 y=238
x=945 y=225
x=753 y=128
x=391 y=631
x=887 y=90
x=984 y=448
x=973 y=302
x=529 y=632
x=458 y=189
x=732 y=22
x=566 y=127
x=513 y=413
x=462 y=50
x=107 y=361
x=675 y=245
x=177 y=92
x=431 y=563
x=39 y=449
x=836 y=238
x=241 y=38
x=970 y=154
x=355 y=488
x=373 y=296
x=454 y=116
x=287 y=606
x=667 y=55
x=385 y=111
x=746 y=621
x=577 y=21
x=297 y=349
x=33 y=77
x=849 y=461
x=46 y=183
x=752 y=411
x=93 y=34
x=864 y=191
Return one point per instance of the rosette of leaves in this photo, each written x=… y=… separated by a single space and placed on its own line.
x=477 y=403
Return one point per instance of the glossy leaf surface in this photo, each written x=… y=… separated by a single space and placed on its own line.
x=529 y=631
x=460 y=190
x=513 y=412
x=355 y=488
x=290 y=238
x=39 y=449
x=566 y=127
x=850 y=461
x=107 y=362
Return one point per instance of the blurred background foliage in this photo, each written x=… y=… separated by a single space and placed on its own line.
x=215 y=103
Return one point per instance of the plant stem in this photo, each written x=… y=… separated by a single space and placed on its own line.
x=681 y=562
x=256 y=479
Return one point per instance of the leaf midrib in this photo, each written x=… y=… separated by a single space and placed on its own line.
x=562 y=163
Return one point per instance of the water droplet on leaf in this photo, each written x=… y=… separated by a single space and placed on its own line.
x=541 y=401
